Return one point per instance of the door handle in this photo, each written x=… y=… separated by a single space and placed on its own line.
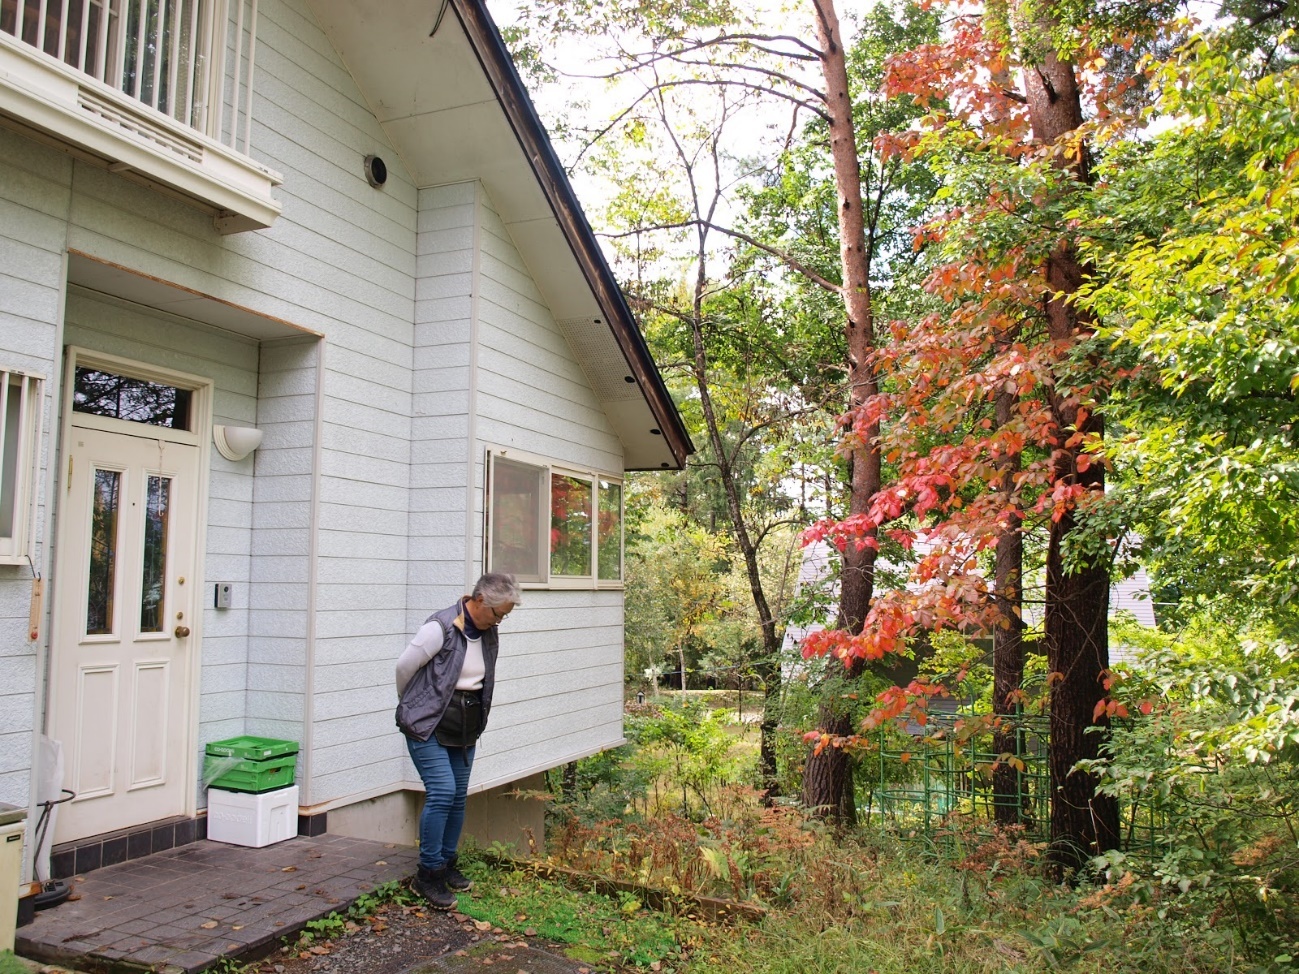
x=182 y=632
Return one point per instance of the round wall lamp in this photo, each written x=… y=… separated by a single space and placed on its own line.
x=376 y=171
x=236 y=442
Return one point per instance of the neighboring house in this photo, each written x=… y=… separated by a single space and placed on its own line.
x=334 y=228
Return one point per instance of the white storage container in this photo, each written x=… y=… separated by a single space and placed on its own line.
x=252 y=819
x=13 y=827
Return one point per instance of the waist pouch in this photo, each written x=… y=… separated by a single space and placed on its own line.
x=462 y=721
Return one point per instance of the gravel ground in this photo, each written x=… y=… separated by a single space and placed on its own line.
x=413 y=938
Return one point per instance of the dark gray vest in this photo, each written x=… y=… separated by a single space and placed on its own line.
x=426 y=696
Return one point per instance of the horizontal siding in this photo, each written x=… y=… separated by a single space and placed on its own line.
x=533 y=393
x=34 y=200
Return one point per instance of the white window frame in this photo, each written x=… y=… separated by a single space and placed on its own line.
x=549 y=469
x=15 y=546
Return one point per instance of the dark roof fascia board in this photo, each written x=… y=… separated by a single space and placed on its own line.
x=498 y=65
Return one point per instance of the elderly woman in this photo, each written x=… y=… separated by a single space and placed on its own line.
x=444 y=681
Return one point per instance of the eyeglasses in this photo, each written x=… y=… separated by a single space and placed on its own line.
x=498 y=616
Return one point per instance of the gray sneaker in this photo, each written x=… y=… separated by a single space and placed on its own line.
x=432 y=885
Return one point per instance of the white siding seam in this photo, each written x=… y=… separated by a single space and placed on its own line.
x=343 y=801
x=475 y=289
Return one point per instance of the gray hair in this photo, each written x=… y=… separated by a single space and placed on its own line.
x=497 y=588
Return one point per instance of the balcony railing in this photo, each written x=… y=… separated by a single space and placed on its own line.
x=157 y=90
x=192 y=60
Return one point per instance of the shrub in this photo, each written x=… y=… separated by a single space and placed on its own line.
x=1212 y=747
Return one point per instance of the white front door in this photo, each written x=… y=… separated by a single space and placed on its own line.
x=124 y=615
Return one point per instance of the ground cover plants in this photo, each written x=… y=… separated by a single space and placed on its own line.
x=595 y=928
x=962 y=897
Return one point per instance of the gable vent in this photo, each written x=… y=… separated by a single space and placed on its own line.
x=140 y=125
x=600 y=357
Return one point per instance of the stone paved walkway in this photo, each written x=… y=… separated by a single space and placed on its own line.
x=178 y=912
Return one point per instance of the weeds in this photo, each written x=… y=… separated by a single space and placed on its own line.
x=597 y=929
x=337 y=924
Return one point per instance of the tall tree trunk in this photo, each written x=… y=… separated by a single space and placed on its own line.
x=768 y=668
x=827 y=781
x=1077 y=602
x=1007 y=638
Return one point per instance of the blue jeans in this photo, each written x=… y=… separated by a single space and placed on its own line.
x=445 y=773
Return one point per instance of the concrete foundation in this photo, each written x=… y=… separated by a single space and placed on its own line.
x=498 y=815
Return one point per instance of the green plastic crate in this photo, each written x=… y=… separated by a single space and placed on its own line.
x=249 y=748
x=253 y=776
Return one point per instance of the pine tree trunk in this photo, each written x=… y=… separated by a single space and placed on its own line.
x=1077 y=602
x=830 y=774
x=827 y=778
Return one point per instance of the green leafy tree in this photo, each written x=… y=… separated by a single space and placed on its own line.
x=1193 y=238
x=674 y=588
x=1208 y=761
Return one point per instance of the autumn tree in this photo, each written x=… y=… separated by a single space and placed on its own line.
x=1009 y=373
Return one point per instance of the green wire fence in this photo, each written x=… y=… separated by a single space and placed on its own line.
x=935 y=780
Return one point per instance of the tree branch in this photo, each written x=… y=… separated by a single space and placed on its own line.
x=791 y=262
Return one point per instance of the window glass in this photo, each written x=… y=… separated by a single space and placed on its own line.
x=570 y=526
x=609 y=557
x=516 y=502
x=135 y=400
x=11 y=411
x=20 y=409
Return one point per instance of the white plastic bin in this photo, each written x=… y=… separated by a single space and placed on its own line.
x=13 y=826
x=252 y=819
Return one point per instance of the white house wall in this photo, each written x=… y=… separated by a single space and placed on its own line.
x=361 y=513
x=489 y=366
x=340 y=262
x=277 y=597
x=34 y=197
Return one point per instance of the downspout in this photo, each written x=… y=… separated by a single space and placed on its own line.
x=48 y=442
x=313 y=573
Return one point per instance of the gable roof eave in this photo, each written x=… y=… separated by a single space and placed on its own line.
x=502 y=75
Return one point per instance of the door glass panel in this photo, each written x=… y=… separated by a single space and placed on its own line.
x=135 y=400
x=157 y=506
x=103 y=551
